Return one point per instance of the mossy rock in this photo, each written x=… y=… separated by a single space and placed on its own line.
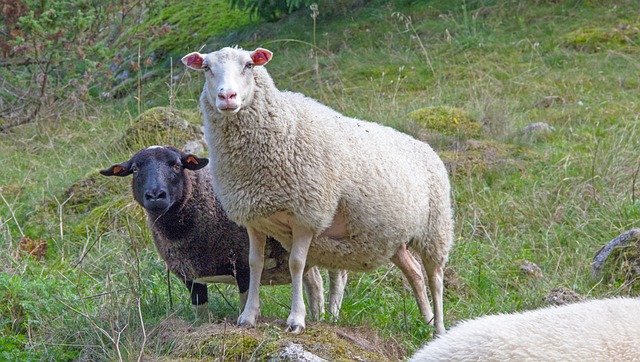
x=176 y=340
x=448 y=121
x=102 y=203
x=165 y=126
x=592 y=40
x=93 y=190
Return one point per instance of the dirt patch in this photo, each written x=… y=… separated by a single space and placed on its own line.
x=562 y=296
x=174 y=339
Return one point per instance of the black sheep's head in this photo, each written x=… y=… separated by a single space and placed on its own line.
x=159 y=179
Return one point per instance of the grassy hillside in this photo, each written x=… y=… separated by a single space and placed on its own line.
x=531 y=209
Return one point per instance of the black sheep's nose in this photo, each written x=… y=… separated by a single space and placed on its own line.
x=155 y=195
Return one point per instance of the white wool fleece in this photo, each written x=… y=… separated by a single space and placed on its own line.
x=598 y=330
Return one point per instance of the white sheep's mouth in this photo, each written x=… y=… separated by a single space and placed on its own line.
x=228 y=109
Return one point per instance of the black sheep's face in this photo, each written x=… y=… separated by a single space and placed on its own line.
x=158 y=176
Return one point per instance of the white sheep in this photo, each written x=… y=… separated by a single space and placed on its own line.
x=597 y=330
x=339 y=192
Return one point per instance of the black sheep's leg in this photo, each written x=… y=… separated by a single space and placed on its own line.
x=199 y=298
x=242 y=279
x=198 y=291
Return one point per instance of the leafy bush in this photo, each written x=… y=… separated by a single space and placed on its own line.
x=50 y=50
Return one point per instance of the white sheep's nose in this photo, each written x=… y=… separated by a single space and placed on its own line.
x=227 y=96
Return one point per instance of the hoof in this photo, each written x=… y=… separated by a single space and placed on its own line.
x=295 y=329
x=242 y=322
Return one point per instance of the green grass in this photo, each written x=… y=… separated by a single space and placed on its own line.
x=553 y=201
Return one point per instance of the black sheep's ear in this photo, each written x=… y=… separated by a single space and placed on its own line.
x=191 y=162
x=123 y=169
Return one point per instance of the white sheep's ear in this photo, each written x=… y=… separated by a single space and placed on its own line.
x=261 y=56
x=193 y=61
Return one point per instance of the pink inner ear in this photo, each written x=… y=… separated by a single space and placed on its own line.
x=261 y=57
x=195 y=60
x=192 y=160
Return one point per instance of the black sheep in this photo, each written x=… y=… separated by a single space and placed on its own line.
x=195 y=238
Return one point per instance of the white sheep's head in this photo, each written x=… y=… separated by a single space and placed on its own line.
x=229 y=75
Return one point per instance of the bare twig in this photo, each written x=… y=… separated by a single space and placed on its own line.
x=408 y=23
x=602 y=254
x=22 y=62
x=13 y=215
x=139 y=81
x=60 y=206
x=314 y=15
x=144 y=332
x=115 y=341
x=169 y=289
x=222 y=295
x=633 y=185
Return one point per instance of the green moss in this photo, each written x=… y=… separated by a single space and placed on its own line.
x=446 y=120
x=180 y=27
x=593 y=40
x=220 y=341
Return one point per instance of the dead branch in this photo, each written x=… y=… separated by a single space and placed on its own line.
x=601 y=256
x=21 y=62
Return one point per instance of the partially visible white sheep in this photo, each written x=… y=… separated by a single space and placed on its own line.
x=339 y=192
x=597 y=330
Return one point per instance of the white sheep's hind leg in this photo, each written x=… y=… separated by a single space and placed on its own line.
x=411 y=269
x=435 y=273
x=251 y=310
x=315 y=292
x=297 y=259
x=337 y=282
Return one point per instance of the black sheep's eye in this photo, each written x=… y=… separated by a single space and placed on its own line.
x=177 y=167
x=134 y=169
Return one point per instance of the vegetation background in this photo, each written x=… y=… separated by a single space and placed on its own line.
x=80 y=87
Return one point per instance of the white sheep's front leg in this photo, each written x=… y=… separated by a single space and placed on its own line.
x=297 y=259
x=251 y=310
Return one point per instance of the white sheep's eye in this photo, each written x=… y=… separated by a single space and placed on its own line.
x=206 y=68
x=248 y=66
